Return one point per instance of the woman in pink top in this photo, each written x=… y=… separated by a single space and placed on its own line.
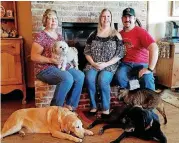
x=46 y=67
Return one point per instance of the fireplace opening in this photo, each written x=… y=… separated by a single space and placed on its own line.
x=76 y=34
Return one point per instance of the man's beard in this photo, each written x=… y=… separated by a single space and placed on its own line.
x=127 y=24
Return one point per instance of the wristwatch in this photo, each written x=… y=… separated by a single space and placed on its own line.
x=150 y=69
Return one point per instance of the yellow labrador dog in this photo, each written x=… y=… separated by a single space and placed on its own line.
x=59 y=121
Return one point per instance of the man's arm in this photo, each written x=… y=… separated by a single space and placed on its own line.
x=153 y=55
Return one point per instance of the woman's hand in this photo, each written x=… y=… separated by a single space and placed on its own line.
x=95 y=65
x=100 y=65
x=55 y=61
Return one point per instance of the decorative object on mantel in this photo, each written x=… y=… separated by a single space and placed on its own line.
x=164 y=49
x=3 y=12
x=4 y=34
x=13 y=33
x=9 y=33
x=9 y=13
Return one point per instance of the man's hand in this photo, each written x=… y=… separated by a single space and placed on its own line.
x=143 y=71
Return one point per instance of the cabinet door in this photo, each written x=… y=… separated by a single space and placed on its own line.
x=164 y=71
x=10 y=63
x=175 y=76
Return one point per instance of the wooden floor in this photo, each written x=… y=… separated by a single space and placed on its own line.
x=8 y=106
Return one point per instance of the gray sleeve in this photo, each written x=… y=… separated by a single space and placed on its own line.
x=87 y=50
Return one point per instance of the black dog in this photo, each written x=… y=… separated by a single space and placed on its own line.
x=113 y=119
x=135 y=121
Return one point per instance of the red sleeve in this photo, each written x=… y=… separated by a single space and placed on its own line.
x=146 y=38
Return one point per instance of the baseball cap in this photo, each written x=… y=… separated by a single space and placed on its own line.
x=128 y=11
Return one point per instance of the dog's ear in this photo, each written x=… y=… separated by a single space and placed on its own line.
x=62 y=113
x=75 y=49
x=54 y=48
x=67 y=128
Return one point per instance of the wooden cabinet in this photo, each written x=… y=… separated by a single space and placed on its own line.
x=12 y=61
x=8 y=19
x=167 y=69
x=12 y=66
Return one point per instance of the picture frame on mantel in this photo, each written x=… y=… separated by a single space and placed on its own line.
x=175 y=8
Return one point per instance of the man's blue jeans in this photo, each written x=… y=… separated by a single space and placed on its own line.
x=102 y=80
x=128 y=71
x=64 y=80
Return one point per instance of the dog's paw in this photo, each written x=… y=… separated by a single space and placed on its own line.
x=1 y=137
x=79 y=141
x=22 y=133
x=89 y=133
x=101 y=131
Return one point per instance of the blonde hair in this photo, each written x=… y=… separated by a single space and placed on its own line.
x=99 y=22
x=46 y=15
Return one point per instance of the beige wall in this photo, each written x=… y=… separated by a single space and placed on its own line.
x=24 y=17
x=158 y=16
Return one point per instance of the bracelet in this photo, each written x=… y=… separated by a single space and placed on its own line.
x=150 y=69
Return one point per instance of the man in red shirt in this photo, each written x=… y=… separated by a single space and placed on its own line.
x=141 y=54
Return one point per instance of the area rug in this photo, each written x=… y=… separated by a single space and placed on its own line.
x=83 y=115
x=171 y=98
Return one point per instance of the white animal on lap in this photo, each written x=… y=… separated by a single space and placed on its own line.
x=66 y=55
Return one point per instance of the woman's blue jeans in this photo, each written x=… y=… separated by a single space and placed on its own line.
x=128 y=71
x=65 y=81
x=102 y=80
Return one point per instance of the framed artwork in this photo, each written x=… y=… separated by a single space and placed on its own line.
x=175 y=8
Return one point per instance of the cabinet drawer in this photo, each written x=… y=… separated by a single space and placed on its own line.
x=12 y=46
